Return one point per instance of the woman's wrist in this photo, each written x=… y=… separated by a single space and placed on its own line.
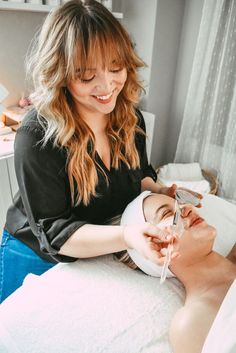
x=124 y=236
x=129 y=235
x=158 y=188
x=150 y=185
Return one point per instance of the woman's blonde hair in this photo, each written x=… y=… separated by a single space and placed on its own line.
x=72 y=36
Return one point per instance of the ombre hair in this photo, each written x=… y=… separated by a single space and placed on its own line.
x=71 y=38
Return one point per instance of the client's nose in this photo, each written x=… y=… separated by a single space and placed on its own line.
x=186 y=210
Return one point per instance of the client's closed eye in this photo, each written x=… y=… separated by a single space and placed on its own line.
x=166 y=214
x=163 y=213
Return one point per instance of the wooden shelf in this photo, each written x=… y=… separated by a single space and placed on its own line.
x=21 y=6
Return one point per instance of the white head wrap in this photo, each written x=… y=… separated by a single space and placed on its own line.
x=134 y=214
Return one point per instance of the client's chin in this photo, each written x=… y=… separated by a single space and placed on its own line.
x=204 y=231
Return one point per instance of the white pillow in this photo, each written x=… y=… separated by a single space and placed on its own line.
x=222 y=215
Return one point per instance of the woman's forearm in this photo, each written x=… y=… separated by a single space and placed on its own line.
x=149 y=184
x=94 y=240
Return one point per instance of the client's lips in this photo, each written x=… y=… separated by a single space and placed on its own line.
x=195 y=221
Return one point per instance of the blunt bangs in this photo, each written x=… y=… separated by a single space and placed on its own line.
x=101 y=42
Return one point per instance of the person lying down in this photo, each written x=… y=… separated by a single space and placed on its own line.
x=208 y=277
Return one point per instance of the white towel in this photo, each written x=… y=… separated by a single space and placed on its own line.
x=181 y=171
x=134 y=214
x=201 y=186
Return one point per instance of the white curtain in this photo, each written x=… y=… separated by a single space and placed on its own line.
x=208 y=132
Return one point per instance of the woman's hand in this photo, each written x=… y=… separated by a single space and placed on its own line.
x=168 y=190
x=171 y=191
x=148 y=240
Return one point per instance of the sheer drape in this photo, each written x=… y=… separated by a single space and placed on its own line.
x=208 y=132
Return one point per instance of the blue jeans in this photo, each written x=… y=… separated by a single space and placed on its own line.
x=17 y=260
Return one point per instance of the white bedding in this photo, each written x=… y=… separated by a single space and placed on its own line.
x=100 y=305
x=92 y=306
x=222 y=215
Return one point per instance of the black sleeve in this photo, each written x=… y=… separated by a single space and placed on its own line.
x=146 y=168
x=44 y=190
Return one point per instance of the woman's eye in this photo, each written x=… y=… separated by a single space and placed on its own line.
x=116 y=70
x=85 y=79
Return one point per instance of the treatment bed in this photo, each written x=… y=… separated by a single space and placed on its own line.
x=101 y=306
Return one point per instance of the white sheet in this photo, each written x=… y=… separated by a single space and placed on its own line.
x=90 y=306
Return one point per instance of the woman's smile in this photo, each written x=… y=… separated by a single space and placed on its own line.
x=104 y=99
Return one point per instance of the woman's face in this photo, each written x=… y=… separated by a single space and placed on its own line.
x=198 y=236
x=95 y=91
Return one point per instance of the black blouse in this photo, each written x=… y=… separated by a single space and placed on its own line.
x=42 y=215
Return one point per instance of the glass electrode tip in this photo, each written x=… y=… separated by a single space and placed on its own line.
x=184 y=197
x=176 y=230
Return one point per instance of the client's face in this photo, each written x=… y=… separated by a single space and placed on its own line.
x=198 y=237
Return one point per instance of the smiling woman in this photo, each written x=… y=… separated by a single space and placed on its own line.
x=80 y=153
x=95 y=91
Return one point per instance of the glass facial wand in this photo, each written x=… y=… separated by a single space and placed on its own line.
x=181 y=197
x=170 y=246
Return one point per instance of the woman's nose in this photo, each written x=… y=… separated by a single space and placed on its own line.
x=105 y=82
